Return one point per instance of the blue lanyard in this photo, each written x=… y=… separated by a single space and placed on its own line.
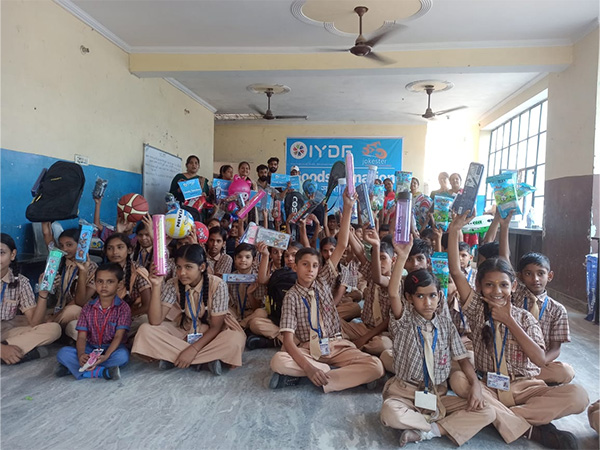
x=498 y=361
x=63 y=292
x=194 y=317
x=142 y=261
x=318 y=329
x=470 y=274
x=541 y=310
x=3 y=289
x=462 y=317
x=242 y=305
x=426 y=374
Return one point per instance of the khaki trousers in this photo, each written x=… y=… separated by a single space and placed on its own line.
x=375 y=346
x=536 y=403
x=167 y=341
x=557 y=372
x=259 y=323
x=353 y=366
x=594 y=415
x=348 y=309
x=17 y=332
x=399 y=411
x=67 y=319
x=387 y=359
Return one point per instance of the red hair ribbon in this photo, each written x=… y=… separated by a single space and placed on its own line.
x=414 y=278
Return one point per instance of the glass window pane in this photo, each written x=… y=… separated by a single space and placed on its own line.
x=504 y=159
x=542 y=149
x=529 y=177
x=540 y=179
x=524 y=126
x=512 y=157
x=522 y=154
x=506 y=135
x=531 y=151
x=544 y=117
x=514 y=130
x=534 y=121
x=538 y=211
x=493 y=140
x=498 y=138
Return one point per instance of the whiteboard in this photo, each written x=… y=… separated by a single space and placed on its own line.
x=159 y=169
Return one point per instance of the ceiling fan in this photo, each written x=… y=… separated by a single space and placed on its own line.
x=429 y=114
x=268 y=115
x=364 y=47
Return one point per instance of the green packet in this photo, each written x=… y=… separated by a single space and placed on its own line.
x=439 y=267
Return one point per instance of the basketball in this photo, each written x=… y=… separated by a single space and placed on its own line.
x=178 y=223
x=132 y=207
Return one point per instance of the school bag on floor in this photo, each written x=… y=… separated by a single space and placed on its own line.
x=58 y=194
x=280 y=282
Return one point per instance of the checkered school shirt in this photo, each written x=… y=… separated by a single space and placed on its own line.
x=350 y=274
x=223 y=265
x=517 y=362
x=17 y=297
x=369 y=296
x=408 y=351
x=237 y=294
x=295 y=315
x=554 y=322
x=65 y=283
x=458 y=317
x=218 y=298
x=470 y=275
x=137 y=284
x=92 y=319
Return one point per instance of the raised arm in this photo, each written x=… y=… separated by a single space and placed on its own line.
x=98 y=204
x=357 y=248
x=47 y=232
x=490 y=235
x=156 y=311
x=303 y=236
x=83 y=292
x=402 y=250
x=372 y=238
x=462 y=284
x=504 y=251
x=344 y=233
x=263 y=267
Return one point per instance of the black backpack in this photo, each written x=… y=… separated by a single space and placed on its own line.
x=58 y=194
x=280 y=282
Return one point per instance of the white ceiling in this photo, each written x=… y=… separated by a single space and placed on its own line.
x=366 y=95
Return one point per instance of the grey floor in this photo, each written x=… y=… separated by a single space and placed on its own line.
x=150 y=409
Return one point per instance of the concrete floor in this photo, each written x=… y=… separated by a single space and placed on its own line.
x=151 y=409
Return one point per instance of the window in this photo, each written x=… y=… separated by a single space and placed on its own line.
x=520 y=144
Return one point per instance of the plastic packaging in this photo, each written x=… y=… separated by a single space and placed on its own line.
x=465 y=201
x=441 y=210
x=159 y=244
x=85 y=239
x=421 y=207
x=92 y=359
x=99 y=188
x=403 y=180
x=240 y=278
x=340 y=200
x=350 y=173
x=378 y=197
x=505 y=193
x=371 y=175
x=366 y=213
x=524 y=189
x=308 y=207
x=439 y=267
x=403 y=218
x=52 y=264
x=479 y=224
x=251 y=204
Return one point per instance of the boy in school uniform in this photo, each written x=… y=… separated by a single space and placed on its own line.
x=102 y=325
x=415 y=398
x=534 y=273
x=309 y=313
x=464 y=251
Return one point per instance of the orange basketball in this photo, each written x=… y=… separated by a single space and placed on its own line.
x=132 y=207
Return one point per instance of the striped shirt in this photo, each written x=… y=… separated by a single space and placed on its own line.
x=19 y=297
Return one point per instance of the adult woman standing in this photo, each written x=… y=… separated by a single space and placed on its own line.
x=444 y=185
x=192 y=164
x=244 y=173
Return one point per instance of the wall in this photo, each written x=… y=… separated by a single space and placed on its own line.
x=58 y=102
x=255 y=143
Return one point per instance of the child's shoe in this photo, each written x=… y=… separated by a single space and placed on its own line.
x=215 y=367
x=36 y=353
x=165 y=365
x=253 y=342
x=61 y=371
x=278 y=381
x=551 y=437
x=112 y=373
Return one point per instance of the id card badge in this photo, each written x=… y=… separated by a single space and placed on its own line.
x=324 y=346
x=498 y=381
x=193 y=337
x=426 y=400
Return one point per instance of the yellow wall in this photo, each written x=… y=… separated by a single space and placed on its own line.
x=255 y=143
x=58 y=102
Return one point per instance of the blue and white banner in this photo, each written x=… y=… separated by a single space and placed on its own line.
x=315 y=156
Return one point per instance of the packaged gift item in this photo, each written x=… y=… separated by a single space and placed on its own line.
x=378 y=197
x=350 y=173
x=85 y=240
x=465 y=201
x=251 y=204
x=159 y=243
x=403 y=218
x=308 y=207
x=240 y=278
x=439 y=267
x=273 y=238
x=403 y=180
x=505 y=193
x=99 y=188
x=366 y=214
x=441 y=210
x=52 y=264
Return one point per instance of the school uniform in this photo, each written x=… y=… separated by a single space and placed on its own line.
x=167 y=340
x=221 y=265
x=15 y=329
x=351 y=278
x=594 y=415
x=554 y=322
x=66 y=312
x=101 y=326
x=412 y=334
x=529 y=401
x=310 y=314
x=470 y=274
x=144 y=258
x=462 y=326
x=138 y=282
x=376 y=308
x=256 y=320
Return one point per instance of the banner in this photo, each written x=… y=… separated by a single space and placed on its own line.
x=316 y=155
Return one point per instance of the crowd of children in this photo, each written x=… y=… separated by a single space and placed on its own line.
x=344 y=304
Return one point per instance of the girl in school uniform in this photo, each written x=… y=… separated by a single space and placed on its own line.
x=22 y=337
x=142 y=252
x=509 y=348
x=135 y=289
x=74 y=284
x=189 y=323
x=218 y=261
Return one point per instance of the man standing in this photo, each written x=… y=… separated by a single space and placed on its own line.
x=273 y=164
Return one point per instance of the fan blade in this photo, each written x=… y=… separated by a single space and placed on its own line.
x=292 y=117
x=257 y=109
x=380 y=59
x=333 y=50
x=386 y=34
x=234 y=116
x=446 y=111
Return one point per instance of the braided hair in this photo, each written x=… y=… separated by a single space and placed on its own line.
x=138 y=247
x=71 y=233
x=492 y=265
x=14 y=265
x=125 y=239
x=195 y=254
